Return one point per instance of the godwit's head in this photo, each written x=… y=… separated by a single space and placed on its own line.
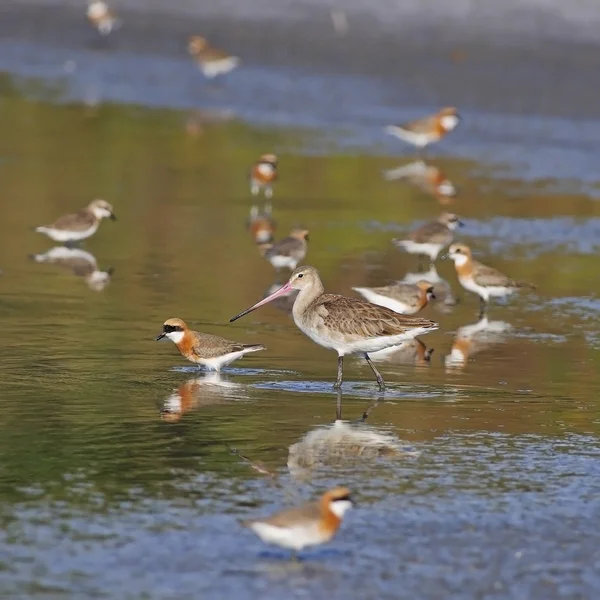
x=102 y=209
x=174 y=329
x=450 y=220
x=427 y=289
x=302 y=278
x=460 y=254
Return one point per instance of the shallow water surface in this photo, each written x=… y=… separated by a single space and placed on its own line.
x=124 y=469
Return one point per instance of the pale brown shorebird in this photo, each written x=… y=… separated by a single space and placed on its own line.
x=263 y=174
x=427 y=130
x=484 y=281
x=289 y=251
x=311 y=524
x=430 y=239
x=80 y=225
x=346 y=325
x=211 y=61
x=403 y=298
x=210 y=351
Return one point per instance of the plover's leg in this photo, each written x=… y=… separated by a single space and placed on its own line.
x=482 y=307
x=268 y=191
x=338 y=384
x=254 y=188
x=380 y=381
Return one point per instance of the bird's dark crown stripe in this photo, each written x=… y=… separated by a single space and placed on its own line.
x=340 y=498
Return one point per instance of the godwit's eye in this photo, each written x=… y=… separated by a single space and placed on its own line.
x=300 y=275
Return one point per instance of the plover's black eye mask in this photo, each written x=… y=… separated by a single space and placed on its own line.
x=346 y=498
x=172 y=328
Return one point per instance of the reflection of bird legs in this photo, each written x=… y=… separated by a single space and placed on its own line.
x=257 y=466
x=370 y=409
x=482 y=307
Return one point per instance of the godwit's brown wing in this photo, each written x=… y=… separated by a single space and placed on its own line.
x=358 y=320
x=432 y=233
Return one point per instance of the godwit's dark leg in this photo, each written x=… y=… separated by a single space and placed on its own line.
x=482 y=307
x=338 y=384
x=380 y=381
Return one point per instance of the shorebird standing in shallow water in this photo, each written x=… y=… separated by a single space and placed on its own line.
x=485 y=281
x=211 y=61
x=101 y=17
x=427 y=130
x=263 y=174
x=210 y=351
x=80 y=225
x=430 y=239
x=403 y=298
x=312 y=524
x=261 y=224
x=346 y=325
x=289 y=251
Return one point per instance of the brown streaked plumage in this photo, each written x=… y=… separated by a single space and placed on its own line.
x=428 y=178
x=430 y=239
x=426 y=130
x=346 y=325
x=80 y=225
x=311 y=524
x=261 y=225
x=403 y=298
x=211 y=351
x=211 y=61
x=485 y=281
x=289 y=251
x=263 y=174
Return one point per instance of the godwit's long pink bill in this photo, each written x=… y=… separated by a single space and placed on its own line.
x=284 y=289
x=346 y=325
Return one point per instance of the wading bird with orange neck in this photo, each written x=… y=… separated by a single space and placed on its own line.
x=311 y=524
x=346 y=325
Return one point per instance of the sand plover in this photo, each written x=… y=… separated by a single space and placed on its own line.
x=346 y=325
x=311 y=524
x=426 y=130
x=210 y=351
x=430 y=239
x=80 y=225
x=263 y=174
x=480 y=279
x=403 y=298
x=211 y=61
